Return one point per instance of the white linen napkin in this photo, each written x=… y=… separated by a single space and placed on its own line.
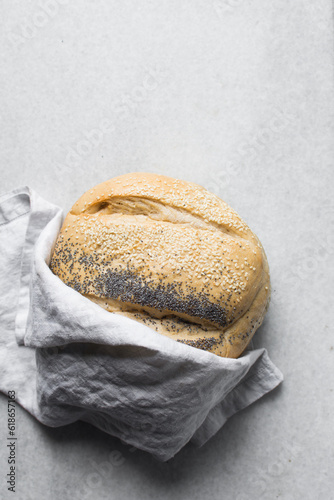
x=68 y=359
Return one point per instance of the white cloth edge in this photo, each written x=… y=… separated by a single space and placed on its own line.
x=232 y=402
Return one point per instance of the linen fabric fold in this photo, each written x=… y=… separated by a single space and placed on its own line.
x=68 y=359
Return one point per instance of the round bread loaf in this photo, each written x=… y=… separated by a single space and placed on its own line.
x=169 y=254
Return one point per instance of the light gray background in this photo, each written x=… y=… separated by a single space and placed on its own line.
x=236 y=95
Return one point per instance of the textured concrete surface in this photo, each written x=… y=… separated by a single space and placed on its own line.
x=235 y=95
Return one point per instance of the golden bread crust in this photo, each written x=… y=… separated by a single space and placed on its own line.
x=169 y=254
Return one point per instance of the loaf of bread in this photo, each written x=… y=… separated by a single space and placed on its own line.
x=169 y=254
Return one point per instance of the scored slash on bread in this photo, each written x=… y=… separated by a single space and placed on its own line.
x=170 y=254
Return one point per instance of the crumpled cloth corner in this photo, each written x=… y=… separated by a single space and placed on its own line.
x=68 y=359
